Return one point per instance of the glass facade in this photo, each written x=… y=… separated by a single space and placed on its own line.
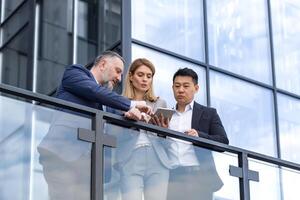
x=165 y=67
x=243 y=60
x=55 y=33
x=247 y=112
x=238 y=37
x=245 y=52
x=285 y=15
x=176 y=26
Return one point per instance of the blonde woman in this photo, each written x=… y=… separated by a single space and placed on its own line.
x=142 y=160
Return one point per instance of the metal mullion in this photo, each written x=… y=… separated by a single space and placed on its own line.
x=75 y=31
x=273 y=77
x=276 y=114
x=167 y=52
x=30 y=51
x=36 y=45
x=126 y=36
x=1 y=37
x=288 y=93
x=211 y=67
x=207 y=68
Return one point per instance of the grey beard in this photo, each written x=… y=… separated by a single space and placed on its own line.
x=108 y=85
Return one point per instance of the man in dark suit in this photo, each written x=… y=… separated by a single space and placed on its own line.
x=194 y=175
x=66 y=160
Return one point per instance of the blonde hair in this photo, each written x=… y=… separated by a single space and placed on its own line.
x=129 y=89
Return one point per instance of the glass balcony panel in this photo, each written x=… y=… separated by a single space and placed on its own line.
x=268 y=186
x=174 y=25
x=290 y=182
x=275 y=182
x=143 y=166
x=40 y=153
x=165 y=67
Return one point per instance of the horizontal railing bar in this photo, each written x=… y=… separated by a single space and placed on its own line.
x=46 y=99
x=121 y=121
x=201 y=142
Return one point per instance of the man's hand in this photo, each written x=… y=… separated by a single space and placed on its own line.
x=141 y=105
x=192 y=132
x=134 y=114
x=145 y=117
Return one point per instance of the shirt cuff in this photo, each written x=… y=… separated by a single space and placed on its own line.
x=132 y=104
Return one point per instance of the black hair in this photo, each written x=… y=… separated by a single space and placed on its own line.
x=186 y=72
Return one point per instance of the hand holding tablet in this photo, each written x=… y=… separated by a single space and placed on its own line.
x=166 y=112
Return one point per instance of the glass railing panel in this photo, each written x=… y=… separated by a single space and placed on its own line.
x=41 y=157
x=290 y=181
x=145 y=166
x=268 y=186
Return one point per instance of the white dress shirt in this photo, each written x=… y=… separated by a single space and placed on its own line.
x=182 y=153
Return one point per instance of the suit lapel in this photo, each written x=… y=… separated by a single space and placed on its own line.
x=196 y=116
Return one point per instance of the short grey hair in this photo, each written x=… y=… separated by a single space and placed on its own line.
x=108 y=54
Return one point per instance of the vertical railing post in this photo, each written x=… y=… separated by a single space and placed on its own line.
x=244 y=181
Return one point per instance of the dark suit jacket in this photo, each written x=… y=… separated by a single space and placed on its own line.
x=79 y=86
x=208 y=124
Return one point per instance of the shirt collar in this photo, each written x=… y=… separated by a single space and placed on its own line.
x=187 y=107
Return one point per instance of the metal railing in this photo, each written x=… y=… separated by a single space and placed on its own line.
x=99 y=140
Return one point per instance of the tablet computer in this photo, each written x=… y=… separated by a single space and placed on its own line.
x=166 y=112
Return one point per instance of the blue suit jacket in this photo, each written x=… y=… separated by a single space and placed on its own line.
x=79 y=86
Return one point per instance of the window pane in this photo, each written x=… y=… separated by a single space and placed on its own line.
x=174 y=25
x=15 y=61
x=55 y=44
x=15 y=23
x=247 y=113
x=10 y=6
x=289 y=128
x=99 y=27
x=238 y=37
x=87 y=29
x=165 y=67
x=285 y=17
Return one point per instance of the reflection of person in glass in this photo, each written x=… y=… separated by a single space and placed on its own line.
x=66 y=160
x=194 y=176
x=141 y=159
